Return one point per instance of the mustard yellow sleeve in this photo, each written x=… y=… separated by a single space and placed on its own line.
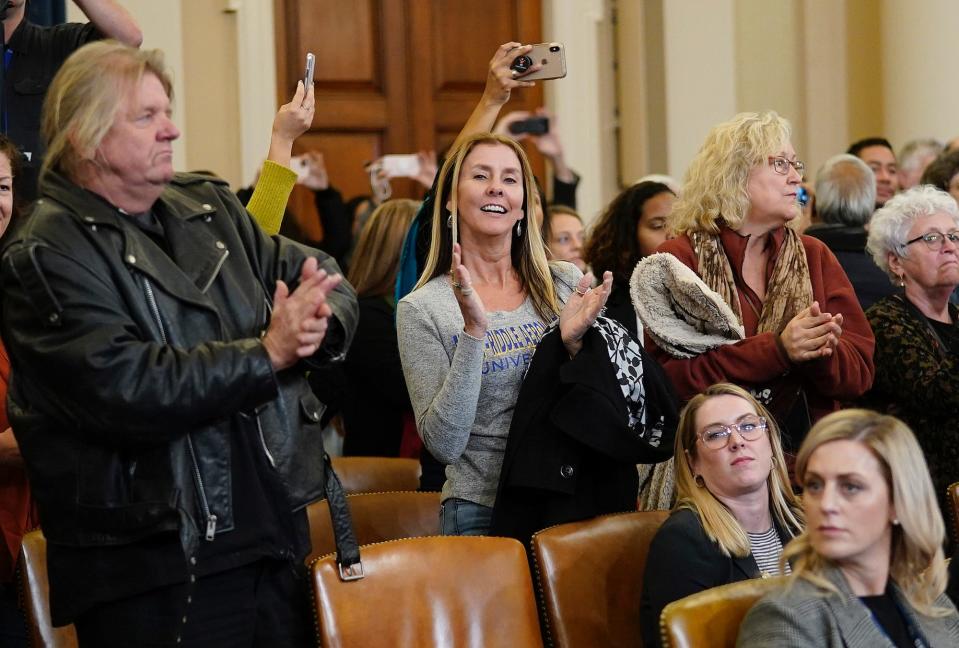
x=272 y=192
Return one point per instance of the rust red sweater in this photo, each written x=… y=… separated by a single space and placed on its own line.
x=759 y=360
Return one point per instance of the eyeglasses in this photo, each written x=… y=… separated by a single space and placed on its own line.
x=716 y=437
x=934 y=240
x=781 y=165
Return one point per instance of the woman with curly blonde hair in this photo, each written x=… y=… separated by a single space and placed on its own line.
x=869 y=569
x=807 y=345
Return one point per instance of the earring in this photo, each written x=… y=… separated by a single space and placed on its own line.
x=902 y=281
x=700 y=481
x=519 y=228
x=895 y=522
x=449 y=221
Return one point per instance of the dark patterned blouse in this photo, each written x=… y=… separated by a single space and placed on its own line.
x=917 y=380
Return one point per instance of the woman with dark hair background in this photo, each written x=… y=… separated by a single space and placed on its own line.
x=375 y=419
x=632 y=227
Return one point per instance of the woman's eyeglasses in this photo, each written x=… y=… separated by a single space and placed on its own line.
x=716 y=437
x=781 y=165
x=934 y=240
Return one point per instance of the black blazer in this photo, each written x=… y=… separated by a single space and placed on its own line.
x=570 y=454
x=683 y=560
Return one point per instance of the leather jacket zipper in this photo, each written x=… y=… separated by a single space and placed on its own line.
x=204 y=503
x=266 y=450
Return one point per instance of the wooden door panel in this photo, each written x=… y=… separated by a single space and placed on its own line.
x=466 y=35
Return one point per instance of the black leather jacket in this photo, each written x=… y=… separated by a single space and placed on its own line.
x=132 y=363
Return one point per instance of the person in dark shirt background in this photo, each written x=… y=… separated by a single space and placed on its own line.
x=32 y=56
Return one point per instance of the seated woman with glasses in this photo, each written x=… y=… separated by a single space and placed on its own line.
x=914 y=238
x=735 y=509
x=806 y=344
x=869 y=569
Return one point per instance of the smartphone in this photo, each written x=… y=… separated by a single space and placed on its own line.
x=531 y=125
x=552 y=58
x=400 y=166
x=308 y=74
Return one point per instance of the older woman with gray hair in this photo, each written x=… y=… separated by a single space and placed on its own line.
x=915 y=240
x=845 y=200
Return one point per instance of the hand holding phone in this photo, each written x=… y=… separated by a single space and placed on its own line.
x=400 y=166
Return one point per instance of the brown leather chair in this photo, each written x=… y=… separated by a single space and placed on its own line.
x=424 y=592
x=377 y=517
x=952 y=494
x=590 y=578
x=35 y=596
x=711 y=618
x=377 y=474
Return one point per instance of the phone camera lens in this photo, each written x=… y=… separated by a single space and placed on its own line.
x=521 y=64
x=554 y=48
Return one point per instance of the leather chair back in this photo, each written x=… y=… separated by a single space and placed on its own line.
x=35 y=596
x=590 y=578
x=952 y=494
x=377 y=517
x=711 y=618
x=469 y=592
x=377 y=474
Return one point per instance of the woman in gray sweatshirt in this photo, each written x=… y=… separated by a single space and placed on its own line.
x=470 y=327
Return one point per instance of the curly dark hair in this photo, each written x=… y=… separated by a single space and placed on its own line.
x=612 y=244
x=941 y=170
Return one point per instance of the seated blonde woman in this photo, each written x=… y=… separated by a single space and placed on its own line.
x=869 y=570
x=735 y=510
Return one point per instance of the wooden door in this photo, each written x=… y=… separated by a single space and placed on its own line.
x=393 y=76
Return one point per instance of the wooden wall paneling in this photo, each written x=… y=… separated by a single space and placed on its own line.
x=458 y=40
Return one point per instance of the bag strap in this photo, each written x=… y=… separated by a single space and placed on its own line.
x=347 y=548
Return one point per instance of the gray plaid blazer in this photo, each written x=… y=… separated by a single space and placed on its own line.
x=804 y=615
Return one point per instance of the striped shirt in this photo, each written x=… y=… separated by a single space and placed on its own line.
x=767 y=548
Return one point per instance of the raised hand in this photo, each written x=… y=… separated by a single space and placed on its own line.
x=502 y=126
x=501 y=79
x=291 y=120
x=581 y=310
x=475 y=321
x=428 y=168
x=811 y=334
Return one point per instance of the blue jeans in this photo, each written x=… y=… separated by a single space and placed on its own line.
x=464 y=518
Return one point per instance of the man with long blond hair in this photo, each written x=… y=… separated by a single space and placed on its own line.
x=159 y=339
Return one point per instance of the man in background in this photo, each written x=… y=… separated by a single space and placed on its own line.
x=878 y=154
x=845 y=198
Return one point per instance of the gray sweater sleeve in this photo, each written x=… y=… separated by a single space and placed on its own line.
x=443 y=392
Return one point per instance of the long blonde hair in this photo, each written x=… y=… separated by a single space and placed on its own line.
x=917 y=563
x=716 y=180
x=720 y=525
x=377 y=255
x=527 y=250
x=83 y=99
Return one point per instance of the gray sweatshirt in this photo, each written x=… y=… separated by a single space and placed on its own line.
x=463 y=391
